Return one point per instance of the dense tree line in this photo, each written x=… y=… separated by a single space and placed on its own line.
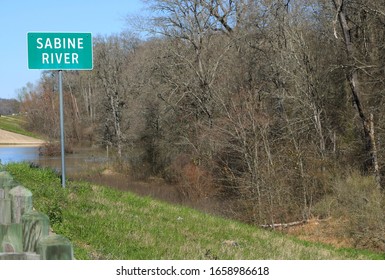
x=9 y=106
x=261 y=102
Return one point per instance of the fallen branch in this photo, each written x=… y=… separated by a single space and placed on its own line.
x=284 y=225
x=292 y=224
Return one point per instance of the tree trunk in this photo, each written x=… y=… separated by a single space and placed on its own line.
x=374 y=153
x=370 y=163
x=118 y=132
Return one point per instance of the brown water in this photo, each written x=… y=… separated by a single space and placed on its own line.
x=81 y=161
x=93 y=165
x=159 y=189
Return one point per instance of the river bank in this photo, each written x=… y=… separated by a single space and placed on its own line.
x=143 y=228
x=8 y=138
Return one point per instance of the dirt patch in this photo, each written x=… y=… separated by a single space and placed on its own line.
x=10 y=138
x=327 y=231
x=109 y=172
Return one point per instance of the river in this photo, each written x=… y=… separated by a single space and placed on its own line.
x=92 y=164
x=18 y=154
x=81 y=161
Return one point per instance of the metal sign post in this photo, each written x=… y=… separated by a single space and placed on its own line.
x=62 y=144
x=60 y=51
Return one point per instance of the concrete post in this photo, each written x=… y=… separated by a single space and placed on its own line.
x=5 y=211
x=35 y=227
x=21 y=202
x=6 y=184
x=11 y=238
x=55 y=247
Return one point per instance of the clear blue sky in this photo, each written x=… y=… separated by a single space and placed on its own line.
x=18 y=17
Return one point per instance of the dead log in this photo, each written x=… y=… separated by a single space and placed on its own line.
x=284 y=225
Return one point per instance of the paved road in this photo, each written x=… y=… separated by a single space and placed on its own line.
x=10 y=138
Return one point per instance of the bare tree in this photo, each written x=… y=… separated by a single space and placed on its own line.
x=191 y=24
x=351 y=69
x=112 y=61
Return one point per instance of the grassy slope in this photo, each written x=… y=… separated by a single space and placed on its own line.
x=104 y=223
x=14 y=124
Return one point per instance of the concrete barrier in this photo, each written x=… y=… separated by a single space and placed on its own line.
x=24 y=232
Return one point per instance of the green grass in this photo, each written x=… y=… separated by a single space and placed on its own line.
x=104 y=223
x=14 y=124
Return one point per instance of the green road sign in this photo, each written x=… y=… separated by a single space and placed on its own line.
x=59 y=51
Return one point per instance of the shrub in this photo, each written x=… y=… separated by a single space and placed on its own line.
x=54 y=149
x=358 y=200
x=193 y=181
